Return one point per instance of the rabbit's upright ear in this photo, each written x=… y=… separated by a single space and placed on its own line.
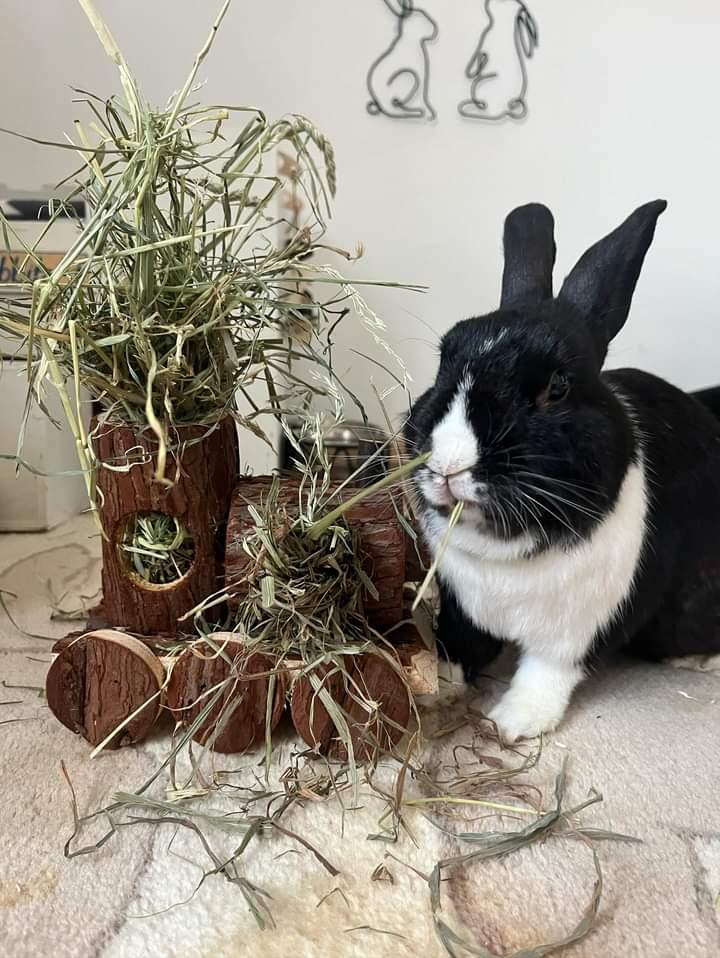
x=399 y=8
x=602 y=283
x=529 y=248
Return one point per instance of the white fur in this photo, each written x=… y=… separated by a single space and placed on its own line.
x=491 y=342
x=537 y=698
x=455 y=447
x=552 y=604
x=455 y=451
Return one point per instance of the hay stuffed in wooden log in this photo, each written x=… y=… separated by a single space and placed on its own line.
x=303 y=589
x=381 y=541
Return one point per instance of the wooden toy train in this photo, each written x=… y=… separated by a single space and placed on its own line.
x=113 y=682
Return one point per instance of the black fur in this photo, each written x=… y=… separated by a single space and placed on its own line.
x=571 y=455
x=603 y=282
x=675 y=606
x=710 y=398
x=529 y=249
x=460 y=641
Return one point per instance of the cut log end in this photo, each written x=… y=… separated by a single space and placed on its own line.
x=101 y=679
x=238 y=719
x=369 y=679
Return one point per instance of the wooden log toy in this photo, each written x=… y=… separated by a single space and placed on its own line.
x=201 y=468
x=383 y=542
x=101 y=679
x=240 y=712
x=367 y=678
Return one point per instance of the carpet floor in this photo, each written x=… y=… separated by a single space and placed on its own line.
x=647 y=737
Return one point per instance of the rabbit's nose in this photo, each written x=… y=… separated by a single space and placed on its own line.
x=458 y=484
x=447 y=470
x=461 y=485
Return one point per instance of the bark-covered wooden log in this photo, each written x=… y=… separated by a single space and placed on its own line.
x=99 y=680
x=381 y=537
x=240 y=712
x=160 y=644
x=369 y=678
x=202 y=466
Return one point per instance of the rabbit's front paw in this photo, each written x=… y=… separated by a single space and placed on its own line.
x=537 y=698
x=526 y=713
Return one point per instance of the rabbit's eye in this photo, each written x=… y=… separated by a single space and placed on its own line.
x=556 y=389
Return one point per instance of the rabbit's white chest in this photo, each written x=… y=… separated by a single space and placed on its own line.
x=555 y=603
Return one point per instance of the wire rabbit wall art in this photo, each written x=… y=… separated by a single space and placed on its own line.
x=498 y=68
x=398 y=81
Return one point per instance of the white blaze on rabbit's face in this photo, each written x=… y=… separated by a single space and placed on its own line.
x=455 y=452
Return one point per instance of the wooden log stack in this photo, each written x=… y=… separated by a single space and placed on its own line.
x=111 y=680
x=111 y=688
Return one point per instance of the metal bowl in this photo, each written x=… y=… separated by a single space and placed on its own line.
x=349 y=447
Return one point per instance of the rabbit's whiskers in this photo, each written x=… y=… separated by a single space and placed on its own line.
x=552 y=505
x=522 y=492
x=587 y=510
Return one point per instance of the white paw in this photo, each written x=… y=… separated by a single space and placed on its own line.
x=523 y=713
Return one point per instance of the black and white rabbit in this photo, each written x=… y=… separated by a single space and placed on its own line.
x=591 y=499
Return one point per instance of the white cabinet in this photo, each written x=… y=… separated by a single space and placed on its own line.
x=30 y=503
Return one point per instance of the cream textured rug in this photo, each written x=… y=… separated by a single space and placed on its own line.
x=647 y=737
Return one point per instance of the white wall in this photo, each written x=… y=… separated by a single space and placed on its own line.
x=622 y=110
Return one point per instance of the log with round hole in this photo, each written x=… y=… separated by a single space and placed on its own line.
x=200 y=472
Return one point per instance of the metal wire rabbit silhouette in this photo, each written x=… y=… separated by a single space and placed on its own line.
x=497 y=70
x=398 y=80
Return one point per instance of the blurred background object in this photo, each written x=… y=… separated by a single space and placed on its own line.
x=34 y=501
x=349 y=447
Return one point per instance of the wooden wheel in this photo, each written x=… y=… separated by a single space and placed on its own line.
x=99 y=680
x=369 y=678
x=242 y=706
